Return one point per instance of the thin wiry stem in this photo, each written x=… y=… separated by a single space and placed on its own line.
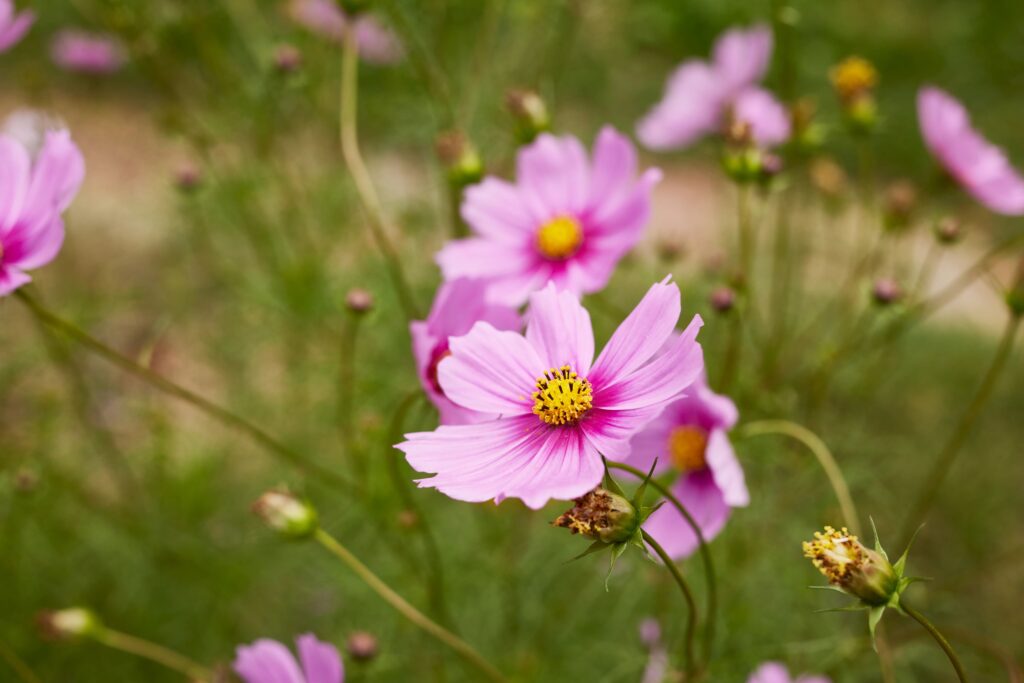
x=689 y=662
x=939 y=638
x=155 y=653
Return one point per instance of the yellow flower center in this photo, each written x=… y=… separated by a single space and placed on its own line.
x=562 y=396
x=835 y=553
x=853 y=77
x=560 y=237
x=686 y=447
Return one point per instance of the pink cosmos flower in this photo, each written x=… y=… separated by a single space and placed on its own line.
x=566 y=219
x=268 y=661
x=376 y=42
x=13 y=27
x=702 y=98
x=978 y=165
x=691 y=437
x=91 y=53
x=773 y=672
x=458 y=306
x=559 y=409
x=33 y=195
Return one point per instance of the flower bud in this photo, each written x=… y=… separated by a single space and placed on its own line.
x=359 y=301
x=188 y=177
x=603 y=516
x=530 y=113
x=886 y=291
x=723 y=299
x=361 y=646
x=808 y=134
x=283 y=512
x=900 y=202
x=853 y=567
x=460 y=158
x=287 y=59
x=408 y=519
x=949 y=230
x=68 y=624
x=669 y=249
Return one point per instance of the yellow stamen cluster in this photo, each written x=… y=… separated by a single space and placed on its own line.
x=562 y=396
x=835 y=553
x=853 y=77
x=560 y=237
x=686 y=447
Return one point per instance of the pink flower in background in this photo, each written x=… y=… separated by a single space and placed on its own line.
x=978 y=165
x=567 y=219
x=376 y=42
x=91 y=53
x=560 y=410
x=33 y=195
x=13 y=27
x=773 y=672
x=458 y=306
x=268 y=661
x=690 y=436
x=702 y=98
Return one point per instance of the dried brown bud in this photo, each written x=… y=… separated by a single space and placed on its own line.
x=601 y=515
x=723 y=299
x=900 y=202
x=828 y=177
x=949 y=230
x=287 y=58
x=886 y=291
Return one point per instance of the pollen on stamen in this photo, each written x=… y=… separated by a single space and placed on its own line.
x=562 y=396
x=834 y=553
x=560 y=238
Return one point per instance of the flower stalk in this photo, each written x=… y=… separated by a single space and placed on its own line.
x=689 y=662
x=153 y=652
x=938 y=637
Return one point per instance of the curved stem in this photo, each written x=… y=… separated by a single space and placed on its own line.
x=948 y=455
x=153 y=652
x=407 y=610
x=346 y=392
x=168 y=387
x=939 y=638
x=705 y=551
x=823 y=455
x=364 y=183
x=691 y=619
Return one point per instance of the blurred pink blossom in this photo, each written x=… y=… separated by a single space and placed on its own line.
x=91 y=53
x=773 y=672
x=701 y=97
x=268 y=661
x=980 y=167
x=376 y=42
x=567 y=219
x=13 y=26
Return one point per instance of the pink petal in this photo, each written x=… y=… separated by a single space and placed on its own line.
x=320 y=661
x=483 y=258
x=726 y=469
x=614 y=166
x=28 y=251
x=768 y=118
x=494 y=209
x=13 y=31
x=491 y=371
x=11 y=279
x=461 y=303
x=15 y=168
x=617 y=222
x=703 y=500
x=267 y=661
x=651 y=443
x=560 y=330
x=57 y=175
x=741 y=56
x=813 y=679
x=690 y=109
x=770 y=672
x=555 y=170
x=610 y=430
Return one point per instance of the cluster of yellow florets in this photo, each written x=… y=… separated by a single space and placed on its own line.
x=853 y=77
x=835 y=553
x=562 y=396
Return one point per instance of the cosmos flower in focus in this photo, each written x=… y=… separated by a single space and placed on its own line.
x=83 y=52
x=34 y=192
x=458 y=306
x=705 y=98
x=980 y=167
x=774 y=672
x=560 y=410
x=268 y=661
x=567 y=219
x=13 y=26
x=690 y=437
x=377 y=44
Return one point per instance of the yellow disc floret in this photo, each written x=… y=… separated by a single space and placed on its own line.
x=853 y=77
x=562 y=396
x=835 y=553
x=560 y=237
x=686 y=447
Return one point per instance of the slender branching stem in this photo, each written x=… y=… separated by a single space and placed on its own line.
x=689 y=662
x=416 y=617
x=155 y=653
x=346 y=394
x=939 y=638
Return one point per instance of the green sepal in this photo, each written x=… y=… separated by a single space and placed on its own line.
x=648 y=510
x=638 y=496
x=617 y=550
x=855 y=607
x=878 y=542
x=829 y=587
x=609 y=483
x=902 y=562
x=595 y=547
x=874 y=616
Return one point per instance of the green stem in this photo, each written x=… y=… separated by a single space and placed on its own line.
x=22 y=669
x=821 y=453
x=939 y=638
x=949 y=453
x=346 y=390
x=168 y=387
x=363 y=182
x=153 y=652
x=705 y=550
x=691 y=619
x=403 y=607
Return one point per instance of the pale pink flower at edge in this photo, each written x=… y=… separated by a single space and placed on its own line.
x=980 y=167
x=457 y=307
x=560 y=410
x=375 y=41
x=13 y=27
x=84 y=52
x=268 y=661
x=774 y=672
x=702 y=97
x=33 y=195
x=691 y=437
x=567 y=219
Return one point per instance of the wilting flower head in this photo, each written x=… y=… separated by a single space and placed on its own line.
x=702 y=98
x=691 y=438
x=459 y=305
x=268 y=661
x=13 y=27
x=92 y=53
x=560 y=410
x=601 y=515
x=376 y=42
x=33 y=195
x=774 y=672
x=567 y=219
x=977 y=165
x=852 y=566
